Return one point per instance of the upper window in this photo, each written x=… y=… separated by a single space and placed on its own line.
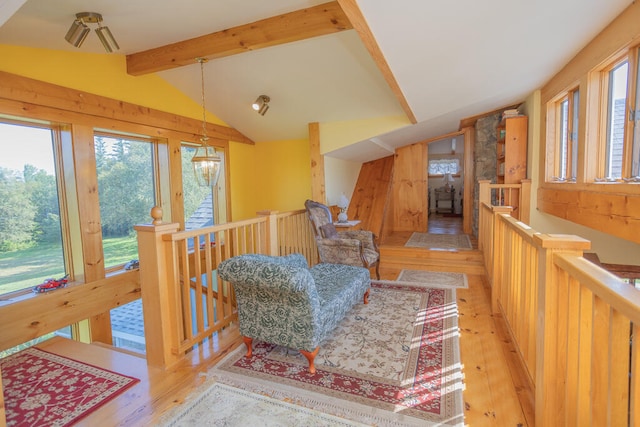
x=31 y=248
x=126 y=187
x=616 y=104
x=620 y=143
x=566 y=159
x=444 y=166
x=635 y=121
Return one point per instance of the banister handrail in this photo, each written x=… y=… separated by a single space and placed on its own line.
x=187 y=234
x=522 y=229
x=607 y=286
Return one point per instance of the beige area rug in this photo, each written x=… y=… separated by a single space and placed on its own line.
x=431 y=279
x=439 y=241
x=392 y=362
x=223 y=405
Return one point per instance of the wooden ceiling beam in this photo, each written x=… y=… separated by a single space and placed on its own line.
x=36 y=94
x=327 y=18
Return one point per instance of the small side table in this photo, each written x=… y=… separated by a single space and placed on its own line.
x=444 y=196
x=349 y=225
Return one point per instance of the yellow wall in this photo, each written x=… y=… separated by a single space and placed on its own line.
x=273 y=175
x=101 y=74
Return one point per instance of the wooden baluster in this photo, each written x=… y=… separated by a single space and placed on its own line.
x=634 y=394
x=525 y=201
x=3 y=414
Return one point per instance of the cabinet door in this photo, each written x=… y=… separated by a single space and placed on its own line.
x=514 y=151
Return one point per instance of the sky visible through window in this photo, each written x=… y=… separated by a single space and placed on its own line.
x=17 y=140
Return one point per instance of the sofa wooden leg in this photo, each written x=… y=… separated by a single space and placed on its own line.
x=366 y=296
x=311 y=357
x=247 y=342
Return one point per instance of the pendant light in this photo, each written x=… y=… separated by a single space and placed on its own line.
x=206 y=162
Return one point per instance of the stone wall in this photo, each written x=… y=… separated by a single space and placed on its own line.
x=484 y=158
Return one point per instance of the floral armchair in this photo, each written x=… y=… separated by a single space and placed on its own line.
x=354 y=247
x=282 y=301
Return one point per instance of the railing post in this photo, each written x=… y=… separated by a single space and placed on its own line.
x=484 y=197
x=484 y=191
x=272 y=231
x=525 y=200
x=156 y=282
x=551 y=349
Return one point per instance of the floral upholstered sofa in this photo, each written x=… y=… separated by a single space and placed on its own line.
x=282 y=301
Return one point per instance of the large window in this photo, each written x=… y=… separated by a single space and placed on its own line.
x=126 y=186
x=31 y=248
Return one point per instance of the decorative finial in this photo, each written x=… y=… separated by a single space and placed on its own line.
x=156 y=214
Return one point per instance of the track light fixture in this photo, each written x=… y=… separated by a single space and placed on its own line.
x=79 y=31
x=261 y=104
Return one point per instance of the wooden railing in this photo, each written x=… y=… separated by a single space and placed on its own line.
x=574 y=324
x=184 y=302
x=295 y=235
x=515 y=196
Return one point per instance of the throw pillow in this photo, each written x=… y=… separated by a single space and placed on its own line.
x=329 y=231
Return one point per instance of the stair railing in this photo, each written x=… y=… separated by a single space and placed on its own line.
x=516 y=196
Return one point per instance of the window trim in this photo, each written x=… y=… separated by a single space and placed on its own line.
x=554 y=129
x=632 y=147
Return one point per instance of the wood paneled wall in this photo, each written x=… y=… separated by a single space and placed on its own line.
x=410 y=210
x=615 y=214
x=371 y=195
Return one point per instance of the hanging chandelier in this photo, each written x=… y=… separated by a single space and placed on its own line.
x=206 y=162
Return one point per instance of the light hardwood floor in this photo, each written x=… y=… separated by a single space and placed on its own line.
x=495 y=392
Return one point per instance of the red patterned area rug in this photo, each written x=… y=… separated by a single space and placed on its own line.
x=44 y=389
x=392 y=362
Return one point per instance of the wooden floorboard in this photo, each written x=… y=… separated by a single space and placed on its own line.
x=494 y=393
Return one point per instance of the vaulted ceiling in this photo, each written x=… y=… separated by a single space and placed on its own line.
x=428 y=64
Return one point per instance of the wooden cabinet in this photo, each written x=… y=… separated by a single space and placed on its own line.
x=511 y=150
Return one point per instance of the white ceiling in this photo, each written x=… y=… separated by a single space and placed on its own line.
x=451 y=59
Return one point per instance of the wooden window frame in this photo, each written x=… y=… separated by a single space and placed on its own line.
x=631 y=56
x=632 y=147
x=554 y=129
